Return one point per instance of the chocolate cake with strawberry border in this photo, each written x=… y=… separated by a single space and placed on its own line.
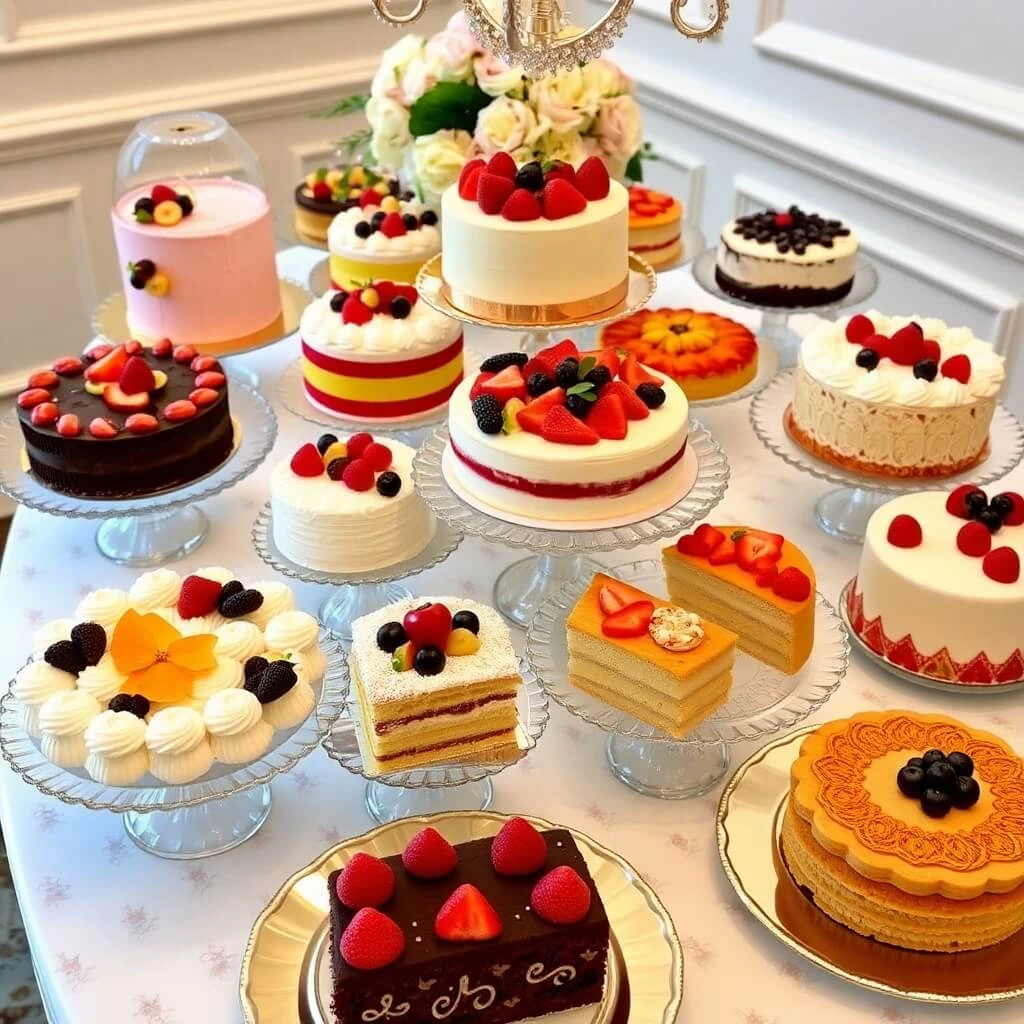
x=124 y=421
x=502 y=929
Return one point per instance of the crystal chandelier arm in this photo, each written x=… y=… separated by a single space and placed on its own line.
x=715 y=25
x=384 y=12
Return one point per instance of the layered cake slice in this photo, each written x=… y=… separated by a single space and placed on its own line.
x=655 y=226
x=497 y=930
x=437 y=681
x=657 y=662
x=756 y=583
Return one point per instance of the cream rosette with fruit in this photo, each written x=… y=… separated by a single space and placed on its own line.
x=568 y=436
x=134 y=683
x=895 y=396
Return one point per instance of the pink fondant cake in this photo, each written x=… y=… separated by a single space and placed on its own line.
x=205 y=276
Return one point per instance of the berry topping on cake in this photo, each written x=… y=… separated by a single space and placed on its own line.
x=974 y=539
x=522 y=205
x=560 y=199
x=33 y=397
x=211 y=379
x=365 y=881
x=203 y=397
x=358 y=475
x=634 y=406
x=136 y=377
x=506 y=385
x=488 y=414
x=237 y=605
x=358 y=443
x=608 y=418
x=560 y=169
x=966 y=501
x=198 y=596
x=102 y=429
x=45 y=414
x=493 y=191
x=378 y=456
x=792 y=584
x=1010 y=507
x=561 y=427
x=393 y=226
x=430 y=623
x=592 y=179
x=957 y=367
x=371 y=941
x=867 y=358
x=469 y=180
x=724 y=553
x=355 y=311
x=65 y=656
x=43 y=379
x=561 y=897
x=429 y=855
x=68 y=366
x=69 y=425
x=652 y=395
x=467 y=916
x=497 y=363
x=751 y=547
x=701 y=542
x=255 y=666
x=518 y=849
x=792 y=229
x=502 y=165
x=940 y=782
x=388 y=484
x=1002 y=565
x=307 y=461
x=904 y=532
x=176 y=412
x=277 y=678
x=631 y=621
x=163 y=206
x=906 y=346
x=462 y=643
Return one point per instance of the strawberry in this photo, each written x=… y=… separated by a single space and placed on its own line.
x=561 y=427
x=974 y=539
x=631 y=621
x=701 y=542
x=612 y=598
x=69 y=425
x=518 y=849
x=469 y=183
x=163 y=348
x=354 y=312
x=68 y=366
x=1016 y=516
x=1002 y=565
x=176 y=412
x=859 y=329
x=162 y=194
x=792 y=584
x=101 y=428
x=477 y=389
x=136 y=377
x=45 y=414
x=521 y=205
x=765 y=572
x=357 y=475
x=369 y=197
x=378 y=456
x=906 y=346
x=203 y=396
x=506 y=385
x=33 y=397
x=94 y=353
x=406 y=291
x=631 y=402
x=429 y=855
x=592 y=178
x=607 y=357
x=108 y=369
x=211 y=379
x=956 y=503
x=184 y=354
x=133 y=347
x=469 y=168
x=43 y=379
x=365 y=882
x=560 y=169
x=633 y=373
x=931 y=351
x=549 y=358
x=393 y=226
x=561 y=897
x=371 y=941
x=492 y=191
x=307 y=462
x=881 y=344
x=560 y=199
x=904 y=532
x=724 y=554
x=531 y=417
x=467 y=917
x=774 y=538
x=357 y=444
x=750 y=549
x=198 y=597
x=203 y=363
x=958 y=367
x=608 y=418
x=141 y=423
x=502 y=165
x=321 y=190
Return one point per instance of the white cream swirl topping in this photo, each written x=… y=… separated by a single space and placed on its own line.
x=67 y=713
x=226 y=676
x=277 y=598
x=115 y=734
x=156 y=589
x=217 y=573
x=104 y=606
x=51 y=633
x=232 y=712
x=342 y=238
x=102 y=680
x=292 y=631
x=39 y=680
x=175 y=731
x=239 y=640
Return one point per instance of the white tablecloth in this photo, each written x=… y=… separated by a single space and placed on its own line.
x=121 y=936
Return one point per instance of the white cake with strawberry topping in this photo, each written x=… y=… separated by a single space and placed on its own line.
x=568 y=437
x=939 y=589
x=525 y=244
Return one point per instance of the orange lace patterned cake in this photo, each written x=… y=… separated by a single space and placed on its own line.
x=655 y=226
x=705 y=354
x=910 y=828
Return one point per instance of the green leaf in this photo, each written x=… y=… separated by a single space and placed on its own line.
x=585 y=390
x=635 y=167
x=347 y=105
x=586 y=366
x=350 y=145
x=448 y=105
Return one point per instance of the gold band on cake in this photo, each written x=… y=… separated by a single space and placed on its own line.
x=554 y=313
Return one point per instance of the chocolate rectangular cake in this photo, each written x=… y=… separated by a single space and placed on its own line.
x=531 y=969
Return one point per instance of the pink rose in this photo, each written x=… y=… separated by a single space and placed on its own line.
x=619 y=128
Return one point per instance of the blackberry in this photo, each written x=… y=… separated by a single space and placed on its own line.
x=338 y=300
x=567 y=372
x=65 y=656
x=90 y=638
x=278 y=678
x=389 y=484
x=140 y=705
x=538 y=384
x=362 y=230
x=652 y=395
x=229 y=589
x=400 y=307
x=428 y=218
x=487 y=410
x=578 y=406
x=530 y=176
x=186 y=204
x=244 y=603
x=121 y=702
x=324 y=441
x=495 y=364
x=466 y=620
x=599 y=376
x=255 y=666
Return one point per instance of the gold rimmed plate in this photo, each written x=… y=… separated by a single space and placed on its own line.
x=285 y=975
x=749 y=829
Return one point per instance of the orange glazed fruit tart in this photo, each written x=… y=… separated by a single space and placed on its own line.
x=910 y=829
x=662 y=664
x=705 y=354
x=655 y=226
x=757 y=583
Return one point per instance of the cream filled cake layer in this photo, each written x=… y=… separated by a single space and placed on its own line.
x=760 y=264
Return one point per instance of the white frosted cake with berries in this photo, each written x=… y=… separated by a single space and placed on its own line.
x=791 y=258
x=568 y=437
x=939 y=588
x=895 y=395
x=437 y=681
x=348 y=505
x=377 y=354
x=384 y=238
x=531 y=245
x=170 y=677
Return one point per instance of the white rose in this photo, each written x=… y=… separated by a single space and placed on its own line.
x=619 y=129
x=605 y=78
x=393 y=62
x=458 y=24
x=495 y=77
x=437 y=161
x=453 y=53
x=506 y=124
x=420 y=74
x=566 y=146
x=563 y=102
x=389 y=122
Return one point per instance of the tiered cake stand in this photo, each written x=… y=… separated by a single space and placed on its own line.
x=845 y=513
x=214 y=814
x=775 y=330
x=762 y=700
x=159 y=528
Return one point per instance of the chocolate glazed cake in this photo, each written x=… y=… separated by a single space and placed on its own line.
x=532 y=969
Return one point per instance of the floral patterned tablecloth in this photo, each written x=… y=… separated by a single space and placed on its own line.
x=121 y=937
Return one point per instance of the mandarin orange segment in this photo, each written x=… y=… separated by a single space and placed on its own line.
x=161 y=683
x=194 y=653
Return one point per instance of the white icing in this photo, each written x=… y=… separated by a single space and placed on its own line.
x=175 y=731
x=217 y=573
x=479 y=997
x=292 y=631
x=558 y=976
x=156 y=589
x=51 y=633
x=342 y=240
x=39 y=680
x=292 y=708
x=227 y=675
x=102 y=680
x=104 y=606
x=231 y=712
x=115 y=734
x=388 y=1009
x=277 y=598
x=67 y=713
x=311 y=664
x=239 y=640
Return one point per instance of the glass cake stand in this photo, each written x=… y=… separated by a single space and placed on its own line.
x=444 y=787
x=150 y=530
x=775 y=329
x=845 y=513
x=563 y=555
x=200 y=819
x=357 y=593
x=762 y=700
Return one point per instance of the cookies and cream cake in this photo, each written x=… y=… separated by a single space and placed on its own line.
x=790 y=258
x=895 y=395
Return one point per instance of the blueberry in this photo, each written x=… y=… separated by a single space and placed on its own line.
x=428 y=218
x=911 y=781
x=388 y=484
x=530 y=176
x=324 y=441
x=990 y=519
x=400 y=307
x=940 y=775
x=466 y=620
x=145 y=205
x=186 y=204
x=961 y=762
x=410 y=222
x=926 y=369
x=916 y=762
x=391 y=636
x=975 y=502
x=377 y=219
x=868 y=358
x=338 y=300
x=429 y=661
x=967 y=792
x=931 y=756
x=935 y=803
x=599 y=376
x=363 y=230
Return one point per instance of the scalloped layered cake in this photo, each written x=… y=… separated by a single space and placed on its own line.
x=655 y=226
x=328 y=191
x=378 y=354
x=909 y=829
x=939 y=589
x=895 y=396
x=568 y=436
x=527 y=245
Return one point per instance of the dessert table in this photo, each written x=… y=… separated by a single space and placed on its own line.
x=118 y=935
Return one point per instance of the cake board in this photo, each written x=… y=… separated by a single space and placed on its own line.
x=844 y=514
